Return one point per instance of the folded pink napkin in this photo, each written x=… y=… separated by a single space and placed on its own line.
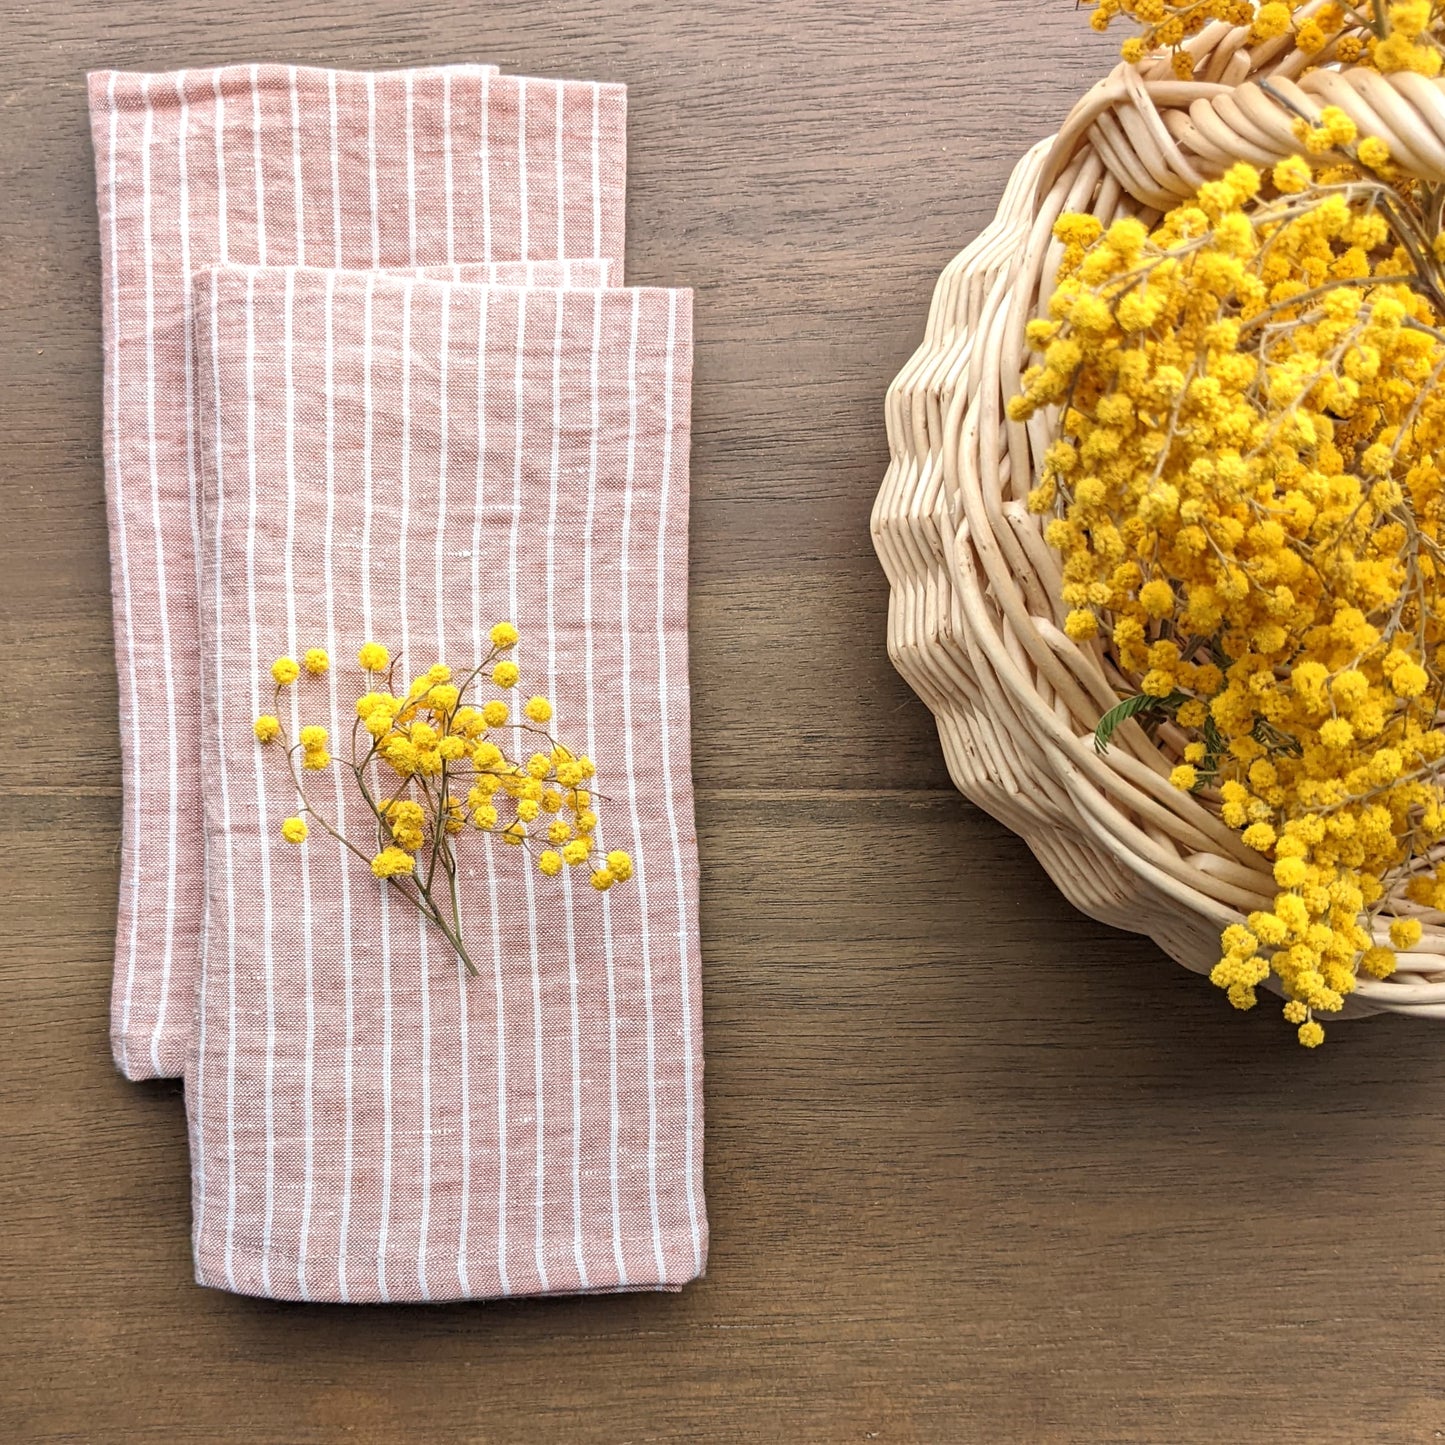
x=412 y=461
x=279 y=164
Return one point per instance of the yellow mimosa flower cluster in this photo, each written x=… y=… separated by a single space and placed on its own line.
x=1247 y=493
x=427 y=763
x=1393 y=37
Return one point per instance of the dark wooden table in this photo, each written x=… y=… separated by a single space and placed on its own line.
x=978 y=1169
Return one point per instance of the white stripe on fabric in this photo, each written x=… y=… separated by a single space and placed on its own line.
x=484 y=86
x=503 y=1274
x=597 y=169
x=331 y=646
x=525 y=247
x=387 y=1018
x=447 y=164
x=225 y=821
x=367 y=437
x=263 y=825
x=163 y=604
x=224 y=774
x=256 y=155
x=386 y=1119
x=539 y=1165
x=424 y=965
x=639 y=867
x=371 y=165
x=293 y=649
x=262 y=817
x=335 y=165
x=561 y=174
x=462 y=1002
x=296 y=170
x=443 y=346
x=183 y=219
x=223 y=243
x=665 y=720
x=609 y=960
x=555 y=472
x=118 y=475
x=410 y=170
x=425 y=958
x=199 y=1172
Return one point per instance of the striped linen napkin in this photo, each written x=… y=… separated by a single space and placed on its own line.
x=411 y=461
x=279 y=164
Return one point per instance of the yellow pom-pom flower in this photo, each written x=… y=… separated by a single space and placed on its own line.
x=285 y=670
x=294 y=830
x=1405 y=932
x=316 y=661
x=1339 y=125
x=267 y=728
x=1271 y=20
x=1157 y=598
x=505 y=674
x=1292 y=175
x=504 y=635
x=539 y=709
x=1290 y=872
x=373 y=657
x=1373 y=152
x=392 y=862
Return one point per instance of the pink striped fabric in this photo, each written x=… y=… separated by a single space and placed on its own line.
x=412 y=461
x=278 y=164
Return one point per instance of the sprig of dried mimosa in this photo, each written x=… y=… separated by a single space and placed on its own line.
x=1386 y=35
x=413 y=752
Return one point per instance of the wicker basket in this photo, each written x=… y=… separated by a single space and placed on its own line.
x=975 y=625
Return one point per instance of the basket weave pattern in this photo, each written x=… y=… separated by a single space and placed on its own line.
x=975 y=622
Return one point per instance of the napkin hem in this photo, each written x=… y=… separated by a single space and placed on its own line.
x=283 y=1269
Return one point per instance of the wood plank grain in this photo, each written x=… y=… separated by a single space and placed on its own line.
x=979 y=1169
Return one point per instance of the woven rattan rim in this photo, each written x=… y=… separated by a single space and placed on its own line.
x=974 y=623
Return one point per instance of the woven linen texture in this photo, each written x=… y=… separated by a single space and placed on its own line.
x=411 y=461
x=278 y=164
